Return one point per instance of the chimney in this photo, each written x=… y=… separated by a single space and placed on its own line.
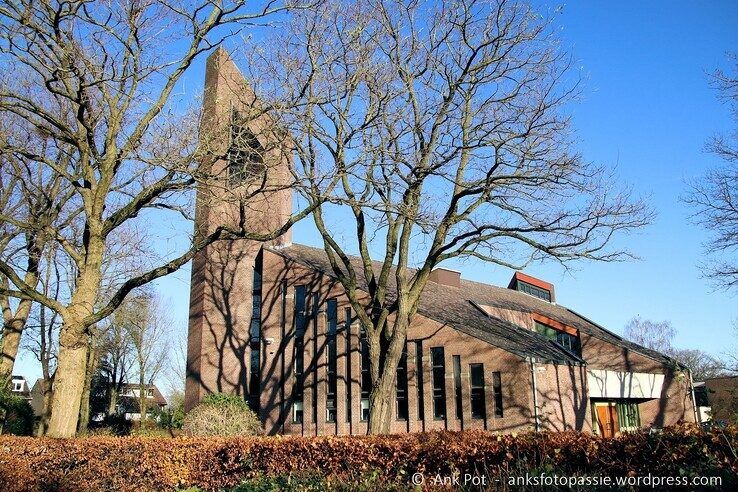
x=444 y=276
x=533 y=286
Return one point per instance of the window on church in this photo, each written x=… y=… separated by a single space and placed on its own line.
x=497 y=387
x=533 y=290
x=457 y=387
x=299 y=355
x=245 y=154
x=347 y=327
x=332 y=362
x=566 y=340
x=438 y=363
x=419 y=378
x=476 y=395
x=366 y=380
x=401 y=387
x=255 y=343
x=629 y=417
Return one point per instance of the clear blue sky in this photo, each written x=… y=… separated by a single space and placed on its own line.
x=648 y=110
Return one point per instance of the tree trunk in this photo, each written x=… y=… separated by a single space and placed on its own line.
x=8 y=352
x=70 y=379
x=112 y=399
x=10 y=341
x=84 y=409
x=141 y=398
x=384 y=357
x=43 y=424
x=381 y=402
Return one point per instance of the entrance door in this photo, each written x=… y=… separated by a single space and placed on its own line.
x=607 y=419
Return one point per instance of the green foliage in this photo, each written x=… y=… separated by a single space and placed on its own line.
x=309 y=482
x=19 y=416
x=225 y=400
x=222 y=415
x=173 y=416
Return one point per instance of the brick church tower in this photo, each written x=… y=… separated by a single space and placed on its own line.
x=249 y=184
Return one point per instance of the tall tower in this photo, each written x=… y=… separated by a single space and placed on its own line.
x=248 y=184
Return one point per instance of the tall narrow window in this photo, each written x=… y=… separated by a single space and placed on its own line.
x=255 y=342
x=401 y=383
x=366 y=380
x=497 y=387
x=284 y=408
x=438 y=363
x=332 y=362
x=314 y=309
x=419 y=377
x=347 y=327
x=476 y=395
x=300 y=325
x=457 y=387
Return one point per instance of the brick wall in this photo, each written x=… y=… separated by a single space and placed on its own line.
x=222 y=273
x=278 y=377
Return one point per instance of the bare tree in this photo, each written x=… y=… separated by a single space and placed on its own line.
x=445 y=123
x=31 y=197
x=714 y=197
x=175 y=370
x=117 y=358
x=42 y=334
x=97 y=80
x=656 y=335
x=147 y=327
x=702 y=365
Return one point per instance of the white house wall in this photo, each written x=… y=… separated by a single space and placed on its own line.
x=615 y=384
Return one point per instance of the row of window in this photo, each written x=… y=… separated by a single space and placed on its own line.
x=566 y=340
x=304 y=314
x=533 y=290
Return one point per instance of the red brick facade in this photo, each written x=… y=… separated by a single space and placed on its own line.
x=536 y=392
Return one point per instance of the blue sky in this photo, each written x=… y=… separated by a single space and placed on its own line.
x=647 y=109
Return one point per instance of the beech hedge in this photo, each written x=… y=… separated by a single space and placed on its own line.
x=216 y=463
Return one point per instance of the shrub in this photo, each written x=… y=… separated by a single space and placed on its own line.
x=112 y=425
x=173 y=416
x=222 y=415
x=19 y=416
x=369 y=462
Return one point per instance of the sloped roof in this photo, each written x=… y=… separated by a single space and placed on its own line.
x=455 y=306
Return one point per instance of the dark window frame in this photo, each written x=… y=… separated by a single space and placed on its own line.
x=438 y=371
x=534 y=291
x=477 y=398
x=497 y=391
x=255 y=341
x=349 y=382
x=419 y=378
x=366 y=382
x=331 y=404
x=569 y=342
x=300 y=323
x=459 y=404
x=401 y=389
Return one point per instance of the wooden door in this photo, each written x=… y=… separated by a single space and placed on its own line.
x=607 y=419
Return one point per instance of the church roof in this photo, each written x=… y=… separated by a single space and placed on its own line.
x=455 y=306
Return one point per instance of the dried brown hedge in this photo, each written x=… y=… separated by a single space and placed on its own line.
x=138 y=463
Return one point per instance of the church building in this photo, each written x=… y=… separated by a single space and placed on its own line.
x=270 y=322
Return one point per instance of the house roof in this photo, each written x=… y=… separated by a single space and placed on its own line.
x=455 y=306
x=157 y=397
